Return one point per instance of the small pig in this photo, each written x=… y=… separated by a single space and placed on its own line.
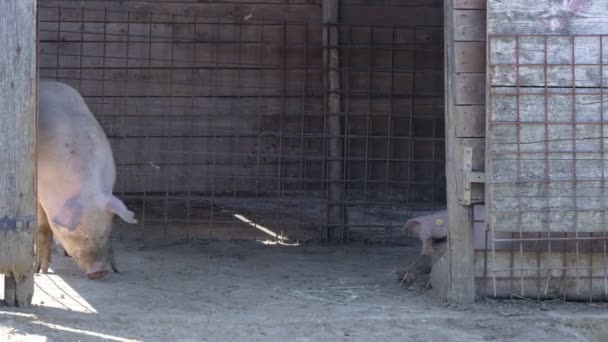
x=76 y=176
x=432 y=230
x=428 y=229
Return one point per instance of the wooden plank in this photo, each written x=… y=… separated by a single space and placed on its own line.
x=185 y=55
x=470 y=57
x=18 y=142
x=172 y=30
x=226 y=177
x=538 y=242
x=516 y=274
x=204 y=82
x=263 y=107
x=117 y=11
x=135 y=110
x=295 y=2
x=469 y=4
x=378 y=14
x=116 y=59
x=479 y=213
x=469 y=25
x=246 y=150
x=562 y=71
x=394 y=3
x=461 y=285
x=479 y=158
x=471 y=121
x=548 y=17
x=234 y=82
x=404 y=37
x=217 y=179
x=142 y=82
x=470 y=89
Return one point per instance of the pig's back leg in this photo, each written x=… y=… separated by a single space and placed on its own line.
x=44 y=236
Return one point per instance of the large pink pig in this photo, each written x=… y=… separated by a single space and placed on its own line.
x=76 y=175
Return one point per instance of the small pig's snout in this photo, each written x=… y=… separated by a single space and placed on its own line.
x=97 y=271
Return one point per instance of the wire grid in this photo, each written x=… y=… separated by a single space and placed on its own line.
x=547 y=123
x=219 y=125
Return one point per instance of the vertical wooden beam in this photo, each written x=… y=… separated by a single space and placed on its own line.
x=18 y=148
x=335 y=167
x=461 y=288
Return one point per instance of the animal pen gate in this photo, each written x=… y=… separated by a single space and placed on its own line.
x=545 y=159
x=222 y=123
x=539 y=149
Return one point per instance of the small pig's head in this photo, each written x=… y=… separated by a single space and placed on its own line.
x=430 y=226
x=432 y=230
x=84 y=227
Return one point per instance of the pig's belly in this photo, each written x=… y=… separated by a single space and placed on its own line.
x=55 y=188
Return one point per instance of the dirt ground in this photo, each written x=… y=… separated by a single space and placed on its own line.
x=248 y=291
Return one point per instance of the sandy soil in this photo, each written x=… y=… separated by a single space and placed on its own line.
x=247 y=291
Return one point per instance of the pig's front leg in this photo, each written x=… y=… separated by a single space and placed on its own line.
x=44 y=236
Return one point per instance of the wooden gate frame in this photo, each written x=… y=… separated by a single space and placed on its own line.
x=18 y=60
x=465 y=94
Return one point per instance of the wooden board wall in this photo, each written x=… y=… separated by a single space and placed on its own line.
x=546 y=140
x=177 y=120
x=414 y=53
x=545 y=174
x=297 y=10
x=193 y=100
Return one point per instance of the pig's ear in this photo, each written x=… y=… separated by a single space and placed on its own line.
x=413 y=226
x=70 y=214
x=117 y=207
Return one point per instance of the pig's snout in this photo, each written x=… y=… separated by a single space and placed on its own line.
x=98 y=270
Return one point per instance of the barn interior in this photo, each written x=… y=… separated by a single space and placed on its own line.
x=234 y=121
x=272 y=152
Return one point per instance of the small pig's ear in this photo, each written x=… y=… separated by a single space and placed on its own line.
x=117 y=207
x=70 y=214
x=413 y=226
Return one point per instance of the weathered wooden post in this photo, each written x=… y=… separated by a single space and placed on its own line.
x=465 y=95
x=18 y=104
x=336 y=215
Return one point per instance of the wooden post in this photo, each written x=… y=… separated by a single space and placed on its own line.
x=336 y=213
x=461 y=281
x=18 y=148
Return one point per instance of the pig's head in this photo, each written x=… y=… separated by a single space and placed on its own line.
x=84 y=225
x=433 y=226
x=432 y=230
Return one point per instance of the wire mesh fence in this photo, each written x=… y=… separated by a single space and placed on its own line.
x=219 y=126
x=547 y=181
